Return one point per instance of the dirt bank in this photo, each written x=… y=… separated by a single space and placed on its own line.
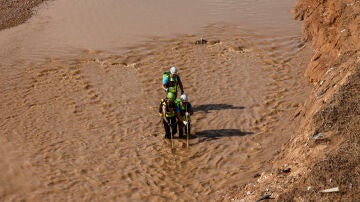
x=324 y=151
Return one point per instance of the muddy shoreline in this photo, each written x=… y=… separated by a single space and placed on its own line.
x=324 y=152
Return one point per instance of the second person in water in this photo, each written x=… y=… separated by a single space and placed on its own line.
x=184 y=112
x=171 y=82
x=176 y=115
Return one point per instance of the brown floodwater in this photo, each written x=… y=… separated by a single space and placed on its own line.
x=62 y=26
x=80 y=85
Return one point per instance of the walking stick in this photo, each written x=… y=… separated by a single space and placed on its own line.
x=187 y=129
x=187 y=135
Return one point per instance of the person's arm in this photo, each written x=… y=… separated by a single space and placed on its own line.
x=191 y=112
x=164 y=113
x=180 y=118
x=191 y=109
x=164 y=88
x=164 y=85
x=181 y=86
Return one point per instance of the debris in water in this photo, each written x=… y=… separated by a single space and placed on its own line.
x=200 y=41
x=334 y=189
x=317 y=136
x=257 y=175
x=285 y=170
x=267 y=196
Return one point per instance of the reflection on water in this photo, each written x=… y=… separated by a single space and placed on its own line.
x=64 y=25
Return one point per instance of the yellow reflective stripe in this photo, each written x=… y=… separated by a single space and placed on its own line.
x=173 y=89
x=168 y=114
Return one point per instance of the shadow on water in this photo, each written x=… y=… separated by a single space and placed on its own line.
x=209 y=135
x=206 y=108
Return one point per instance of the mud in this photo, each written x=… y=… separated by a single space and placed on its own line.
x=90 y=126
x=86 y=127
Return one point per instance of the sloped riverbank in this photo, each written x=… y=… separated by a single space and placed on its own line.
x=324 y=151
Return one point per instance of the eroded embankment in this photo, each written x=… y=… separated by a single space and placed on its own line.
x=324 y=151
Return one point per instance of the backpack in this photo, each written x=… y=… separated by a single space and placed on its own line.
x=185 y=108
x=160 y=105
x=166 y=74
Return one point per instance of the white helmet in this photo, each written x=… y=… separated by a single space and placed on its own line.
x=173 y=70
x=183 y=98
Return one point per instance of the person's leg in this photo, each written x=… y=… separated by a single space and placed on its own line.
x=173 y=125
x=166 y=128
x=181 y=129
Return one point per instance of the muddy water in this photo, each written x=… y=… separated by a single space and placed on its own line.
x=63 y=26
x=80 y=87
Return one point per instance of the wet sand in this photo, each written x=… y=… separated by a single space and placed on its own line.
x=16 y=12
x=86 y=128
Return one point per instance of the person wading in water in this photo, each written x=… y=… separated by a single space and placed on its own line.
x=169 y=113
x=172 y=82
